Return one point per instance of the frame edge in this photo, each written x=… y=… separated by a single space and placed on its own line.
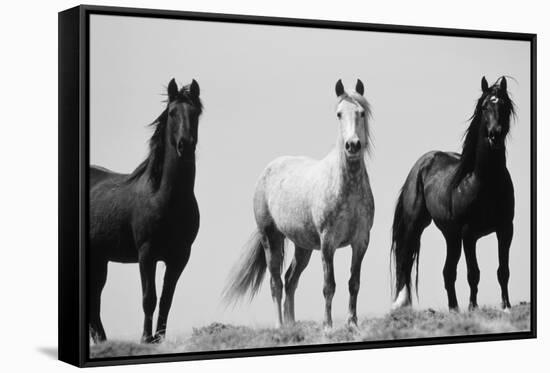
x=69 y=290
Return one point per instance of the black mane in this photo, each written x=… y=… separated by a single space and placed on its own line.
x=471 y=136
x=157 y=141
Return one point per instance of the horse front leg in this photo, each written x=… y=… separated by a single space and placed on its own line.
x=147 y=269
x=174 y=268
x=329 y=286
x=358 y=252
x=469 y=243
x=504 y=237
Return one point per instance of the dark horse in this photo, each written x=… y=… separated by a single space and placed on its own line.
x=150 y=215
x=468 y=196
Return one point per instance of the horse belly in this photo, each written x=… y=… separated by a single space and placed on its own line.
x=113 y=242
x=297 y=227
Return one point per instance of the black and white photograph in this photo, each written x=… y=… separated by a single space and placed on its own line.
x=259 y=186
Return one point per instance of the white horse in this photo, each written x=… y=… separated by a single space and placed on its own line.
x=318 y=205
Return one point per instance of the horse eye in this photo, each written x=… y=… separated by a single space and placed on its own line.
x=172 y=113
x=362 y=114
x=339 y=115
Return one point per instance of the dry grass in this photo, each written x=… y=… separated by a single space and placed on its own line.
x=401 y=324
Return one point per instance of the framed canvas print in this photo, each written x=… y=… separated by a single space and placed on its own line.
x=234 y=186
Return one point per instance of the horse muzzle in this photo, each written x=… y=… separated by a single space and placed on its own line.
x=185 y=150
x=495 y=142
x=353 y=149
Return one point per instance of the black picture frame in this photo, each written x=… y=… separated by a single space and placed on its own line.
x=73 y=180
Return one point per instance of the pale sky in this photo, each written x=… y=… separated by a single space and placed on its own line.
x=268 y=91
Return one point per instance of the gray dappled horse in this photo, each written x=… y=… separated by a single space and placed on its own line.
x=318 y=205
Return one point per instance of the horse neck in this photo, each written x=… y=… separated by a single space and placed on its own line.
x=178 y=177
x=489 y=164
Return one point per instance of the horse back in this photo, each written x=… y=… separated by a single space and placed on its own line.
x=98 y=174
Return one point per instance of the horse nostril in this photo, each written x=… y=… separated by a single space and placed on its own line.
x=353 y=146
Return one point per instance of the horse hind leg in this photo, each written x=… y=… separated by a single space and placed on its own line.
x=98 y=277
x=273 y=244
x=410 y=219
x=292 y=276
x=407 y=248
x=449 y=270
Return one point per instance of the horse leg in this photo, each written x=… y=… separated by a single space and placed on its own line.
x=174 y=268
x=409 y=249
x=292 y=276
x=98 y=277
x=473 y=268
x=329 y=287
x=504 y=237
x=273 y=247
x=449 y=271
x=358 y=252
x=147 y=269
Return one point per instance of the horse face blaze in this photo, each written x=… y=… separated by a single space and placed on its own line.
x=352 y=128
x=491 y=116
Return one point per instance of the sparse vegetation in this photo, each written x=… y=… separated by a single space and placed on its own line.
x=406 y=323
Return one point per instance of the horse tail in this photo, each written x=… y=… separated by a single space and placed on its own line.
x=248 y=273
x=409 y=220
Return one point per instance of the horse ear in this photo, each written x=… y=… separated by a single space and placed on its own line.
x=484 y=85
x=503 y=84
x=172 y=90
x=339 y=88
x=359 y=87
x=195 y=90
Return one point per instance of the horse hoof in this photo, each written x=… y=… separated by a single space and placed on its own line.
x=352 y=321
x=158 y=338
x=454 y=309
x=99 y=340
x=352 y=325
x=289 y=323
x=473 y=307
x=147 y=339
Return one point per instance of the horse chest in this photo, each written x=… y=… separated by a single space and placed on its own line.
x=487 y=208
x=167 y=227
x=347 y=217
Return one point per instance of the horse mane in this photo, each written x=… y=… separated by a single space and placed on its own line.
x=471 y=135
x=361 y=101
x=157 y=142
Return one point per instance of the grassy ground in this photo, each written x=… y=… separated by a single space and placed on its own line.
x=400 y=324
